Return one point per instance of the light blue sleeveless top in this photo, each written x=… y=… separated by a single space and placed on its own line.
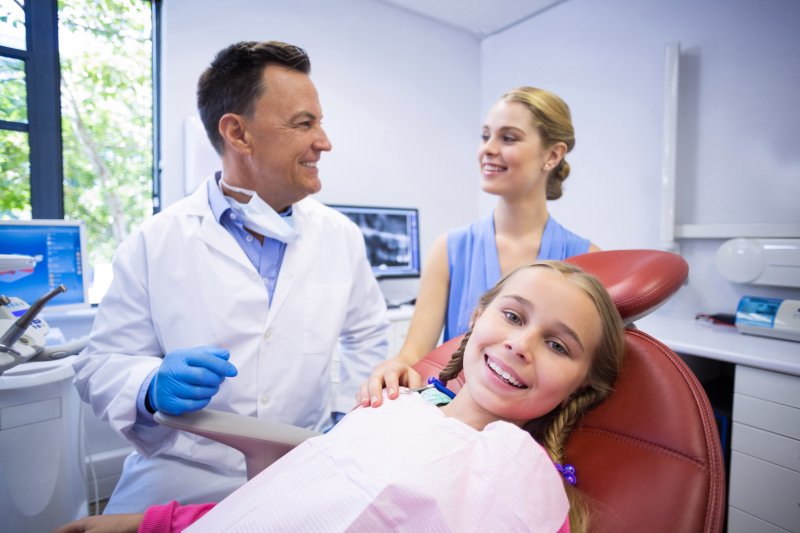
x=475 y=268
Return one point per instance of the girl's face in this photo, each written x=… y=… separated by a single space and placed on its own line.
x=529 y=350
x=511 y=154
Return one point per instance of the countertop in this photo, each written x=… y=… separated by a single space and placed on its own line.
x=684 y=334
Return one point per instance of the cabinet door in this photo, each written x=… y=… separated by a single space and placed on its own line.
x=741 y=522
x=397 y=335
x=765 y=490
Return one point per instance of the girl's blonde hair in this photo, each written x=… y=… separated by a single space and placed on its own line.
x=553 y=120
x=552 y=429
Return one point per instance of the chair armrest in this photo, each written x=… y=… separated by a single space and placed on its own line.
x=261 y=441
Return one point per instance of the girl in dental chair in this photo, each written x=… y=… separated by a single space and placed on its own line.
x=545 y=345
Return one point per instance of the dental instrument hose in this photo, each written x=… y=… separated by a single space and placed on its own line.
x=17 y=329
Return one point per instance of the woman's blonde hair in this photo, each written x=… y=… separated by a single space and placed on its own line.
x=553 y=120
x=552 y=429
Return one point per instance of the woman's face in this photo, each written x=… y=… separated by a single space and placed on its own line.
x=511 y=154
x=530 y=349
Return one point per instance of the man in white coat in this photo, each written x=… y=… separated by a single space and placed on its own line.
x=236 y=296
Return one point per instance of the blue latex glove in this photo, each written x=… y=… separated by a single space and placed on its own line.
x=187 y=379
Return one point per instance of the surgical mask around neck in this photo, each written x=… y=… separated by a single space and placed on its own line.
x=259 y=216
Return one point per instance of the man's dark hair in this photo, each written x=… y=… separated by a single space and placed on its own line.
x=233 y=81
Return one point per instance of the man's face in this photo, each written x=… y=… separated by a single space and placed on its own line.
x=285 y=139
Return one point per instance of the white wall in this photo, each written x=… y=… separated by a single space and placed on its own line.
x=739 y=125
x=399 y=95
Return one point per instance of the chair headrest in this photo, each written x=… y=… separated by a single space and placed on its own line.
x=639 y=281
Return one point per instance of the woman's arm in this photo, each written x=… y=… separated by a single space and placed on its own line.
x=423 y=332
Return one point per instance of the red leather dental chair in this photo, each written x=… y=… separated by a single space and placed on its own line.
x=648 y=458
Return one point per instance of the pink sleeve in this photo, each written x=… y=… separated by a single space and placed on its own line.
x=172 y=517
x=564 y=527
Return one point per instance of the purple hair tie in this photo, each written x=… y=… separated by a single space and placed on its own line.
x=568 y=471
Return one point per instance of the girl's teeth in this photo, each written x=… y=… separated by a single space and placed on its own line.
x=503 y=374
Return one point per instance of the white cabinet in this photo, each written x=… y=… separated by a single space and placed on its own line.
x=764 y=490
x=399 y=319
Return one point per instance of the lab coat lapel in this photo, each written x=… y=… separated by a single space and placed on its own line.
x=230 y=277
x=218 y=238
x=211 y=231
x=295 y=260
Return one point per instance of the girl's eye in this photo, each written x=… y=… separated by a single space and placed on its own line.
x=484 y=137
x=509 y=139
x=512 y=317
x=558 y=347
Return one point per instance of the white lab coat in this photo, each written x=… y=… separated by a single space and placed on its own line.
x=183 y=281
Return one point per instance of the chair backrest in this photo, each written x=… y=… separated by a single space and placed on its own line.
x=649 y=457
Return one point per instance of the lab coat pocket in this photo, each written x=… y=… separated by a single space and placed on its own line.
x=323 y=316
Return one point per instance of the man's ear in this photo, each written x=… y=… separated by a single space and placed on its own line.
x=233 y=129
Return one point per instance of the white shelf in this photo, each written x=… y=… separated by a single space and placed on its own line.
x=403 y=312
x=732 y=231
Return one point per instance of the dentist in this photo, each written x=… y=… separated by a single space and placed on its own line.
x=236 y=296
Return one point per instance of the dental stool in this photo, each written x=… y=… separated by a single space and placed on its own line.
x=648 y=458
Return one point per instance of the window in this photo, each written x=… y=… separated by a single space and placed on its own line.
x=77 y=114
x=24 y=79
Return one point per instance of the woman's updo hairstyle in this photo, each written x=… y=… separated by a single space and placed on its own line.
x=553 y=121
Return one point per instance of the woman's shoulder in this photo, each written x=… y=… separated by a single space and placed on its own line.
x=559 y=243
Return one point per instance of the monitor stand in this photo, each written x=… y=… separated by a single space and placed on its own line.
x=399 y=291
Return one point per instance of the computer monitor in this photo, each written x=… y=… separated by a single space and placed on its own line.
x=392 y=238
x=38 y=255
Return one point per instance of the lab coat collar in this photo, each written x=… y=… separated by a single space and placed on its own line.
x=211 y=231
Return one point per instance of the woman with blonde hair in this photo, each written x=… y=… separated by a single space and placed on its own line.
x=524 y=141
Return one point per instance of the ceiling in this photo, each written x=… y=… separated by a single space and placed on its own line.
x=479 y=17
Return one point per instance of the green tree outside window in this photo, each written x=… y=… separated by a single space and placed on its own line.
x=107 y=117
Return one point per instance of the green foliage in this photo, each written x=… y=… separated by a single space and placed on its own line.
x=13 y=93
x=15 y=188
x=106 y=102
